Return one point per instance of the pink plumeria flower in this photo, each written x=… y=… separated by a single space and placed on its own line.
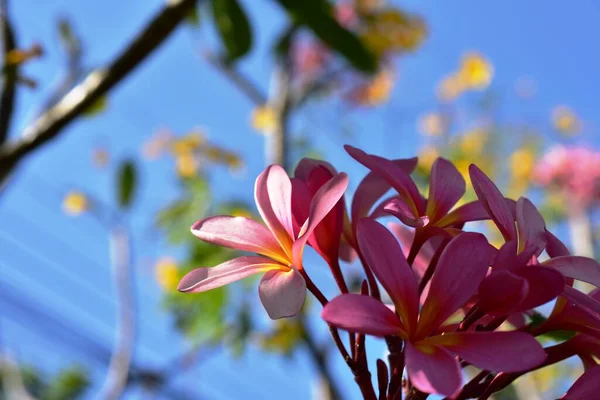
x=518 y=282
x=282 y=289
x=431 y=353
x=586 y=387
x=446 y=187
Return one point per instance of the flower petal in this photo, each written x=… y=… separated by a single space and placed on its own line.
x=203 y=279
x=554 y=247
x=502 y=292
x=544 y=285
x=581 y=299
x=586 y=387
x=282 y=293
x=239 y=233
x=301 y=198
x=362 y=314
x=393 y=175
x=580 y=268
x=372 y=187
x=433 y=369
x=530 y=226
x=446 y=187
x=495 y=351
x=384 y=256
x=307 y=165
x=322 y=203
x=461 y=268
x=399 y=209
x=494 y=202
x=472 y=211
x=273 y=196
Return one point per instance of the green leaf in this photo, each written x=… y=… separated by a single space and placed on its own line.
x=234 y=28
x=68 y=384
x=96 y=108
x=317 y=15
x=127 y=183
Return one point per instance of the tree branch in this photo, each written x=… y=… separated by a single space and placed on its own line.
x=48 y=125
x=9 y=81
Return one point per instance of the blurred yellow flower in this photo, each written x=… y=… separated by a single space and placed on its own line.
x=462 y=165
x=375 y=92
x=392 y=30
x=522 y=162
x=565 y=120
x=264 y=119
x=473 y=142
x=167 y=274
x=432 y=124
x=186 y=164
x=427 y=157
x=188 y=143
x=475 y=71
x=367 y=6
x=450 y=88
x=75 y=203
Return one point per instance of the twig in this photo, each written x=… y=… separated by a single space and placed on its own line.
x=48 y=125
x=120 y=362
x=9 y=81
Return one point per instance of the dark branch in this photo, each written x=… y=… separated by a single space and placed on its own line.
x=9 y=81
x=48 y=125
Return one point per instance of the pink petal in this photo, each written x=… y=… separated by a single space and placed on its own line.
x=322 y=203
x=495 y=351
x=581 y=299
x=433 y=369
x=384 y=256
x=301 y=198
x=372 y=187
x=473 y=211
x=446 y=187
x=544 y=285
x=530 y=226
x=554 y=247
x=282 y=293
x=239 y=233
x=393 y=175
x=273 y=196
x=462 y=266
x=494 y=202
x=399 y=209
x=362 y=314
x=586 y=387
x=307 y=165
x=580 y=268
x=502 y=292
x=203 y=279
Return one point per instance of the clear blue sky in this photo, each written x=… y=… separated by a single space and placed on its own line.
x=62 y=263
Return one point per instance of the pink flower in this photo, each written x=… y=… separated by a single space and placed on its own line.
x=586 y=387
x=429 y=353
x=518 y=282
x=282 y=289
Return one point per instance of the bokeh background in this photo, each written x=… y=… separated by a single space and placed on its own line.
x=511 y=86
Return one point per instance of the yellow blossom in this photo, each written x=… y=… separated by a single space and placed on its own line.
x=450 y=88
x=167 y=274
x=473 y=142
x=75 y=203
x=187 y=165
x=476 y=71
x=521 y=163
x=462 y=165
x=432 y=124
x=375 y=92
x=565 y=120
x=188 y=143
x=427 y=157
x=264 y=119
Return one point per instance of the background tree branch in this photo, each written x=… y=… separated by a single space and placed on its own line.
x=48 y=125
x=9 y=72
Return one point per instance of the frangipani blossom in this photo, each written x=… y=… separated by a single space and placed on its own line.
x=518 y=282
x=282 y=288
x=430 y=354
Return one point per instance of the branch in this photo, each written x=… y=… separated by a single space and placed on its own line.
x=120 y=362
x=48 y=125
x=9 y=81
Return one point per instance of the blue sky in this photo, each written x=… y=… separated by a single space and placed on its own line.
x=62 y=263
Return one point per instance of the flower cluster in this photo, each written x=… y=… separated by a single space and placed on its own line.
x=574 y=171
x=454 y=299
